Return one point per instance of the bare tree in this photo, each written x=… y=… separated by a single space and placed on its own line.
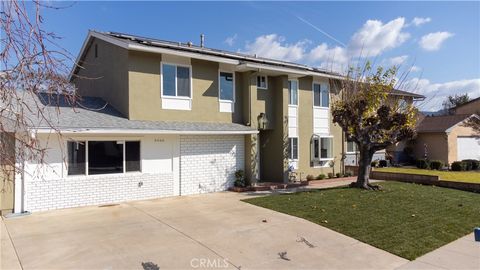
x=32 y=62
x=370 y=116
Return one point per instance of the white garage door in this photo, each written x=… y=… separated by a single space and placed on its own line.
x=208 y=163
x=468 y=148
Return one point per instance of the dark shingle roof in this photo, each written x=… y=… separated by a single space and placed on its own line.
x=95 y=113
x=440 y=123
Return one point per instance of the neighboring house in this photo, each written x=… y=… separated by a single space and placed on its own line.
x=159 y=118
x=471 y=107
x=446 y=138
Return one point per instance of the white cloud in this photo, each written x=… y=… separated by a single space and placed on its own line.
x=415 y=69
x=376 y=37
x=433 y=41
x=230 y=41
x=372 y=39
x=436 y=93
x=417 y=21
x=397 y=61
x=274 y=46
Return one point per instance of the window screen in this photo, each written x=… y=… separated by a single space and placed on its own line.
x=76 y=158
x=183 y=81
x=292 y=92
x=226 y=86
x=132 y=159
x=326 y=147
x=325 y=95
x=316 y=95
x=168 y=80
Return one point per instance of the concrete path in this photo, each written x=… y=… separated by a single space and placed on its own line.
x=463 y=253
x=206 y=231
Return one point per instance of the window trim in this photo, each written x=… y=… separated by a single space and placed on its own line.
x=288 y=88
x=266 y=82
x=321 y=99
x=234 y=81
x=176 y=86
x=106 y=140
x=291 y=148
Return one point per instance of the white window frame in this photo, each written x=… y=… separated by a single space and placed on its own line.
x=106 y=140
x=176 y=86
x=289 y=98
x=226 y=101
x=291 y=148
x=313 y=94
x=266 y=82
x=320 y=148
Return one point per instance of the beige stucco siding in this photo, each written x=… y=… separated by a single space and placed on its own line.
x=305 y=129
x=106 y=75
x=456 y=132
x=146 y=102
x=436 y=144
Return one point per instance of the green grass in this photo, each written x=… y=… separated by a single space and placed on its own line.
x=468 y=177
x=405 y=219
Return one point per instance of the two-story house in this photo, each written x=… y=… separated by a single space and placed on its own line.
x=159 y=118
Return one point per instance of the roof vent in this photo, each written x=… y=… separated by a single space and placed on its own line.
x=189 y=44
x=202 y=40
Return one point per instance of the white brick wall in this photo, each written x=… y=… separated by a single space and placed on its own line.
x=208 y=163
x=93 y=190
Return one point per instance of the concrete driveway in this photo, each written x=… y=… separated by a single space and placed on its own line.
x=206 y=231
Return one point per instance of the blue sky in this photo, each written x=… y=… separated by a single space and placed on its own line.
x=442 y=43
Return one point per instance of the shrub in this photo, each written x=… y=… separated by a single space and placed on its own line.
x=310 y=177
x=382 y=163
x=374 y=163
x=240 y=180
x=321 y=176
x=472 y=164
x=338 y=175
x=422 y=164
x=348 y=173
x=330 y=175
x=458 y=166
x=436 y=164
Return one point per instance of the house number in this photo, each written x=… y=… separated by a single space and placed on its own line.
x=159 y=140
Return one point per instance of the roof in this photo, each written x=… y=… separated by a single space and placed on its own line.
x=406 y=94
x=93 y=114
x=138 y=43
x=468 y=102
x=440 y=123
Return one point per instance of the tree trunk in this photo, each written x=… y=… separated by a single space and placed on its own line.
x=364 y=167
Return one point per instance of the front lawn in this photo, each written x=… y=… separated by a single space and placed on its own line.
x=468 y=177
x=405 y=219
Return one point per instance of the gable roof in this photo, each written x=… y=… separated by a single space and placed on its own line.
x=95 y=115
x=466 y=103
x=440 y=123
x=244 y=61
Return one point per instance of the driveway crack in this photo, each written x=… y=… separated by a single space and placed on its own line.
x=184 y=234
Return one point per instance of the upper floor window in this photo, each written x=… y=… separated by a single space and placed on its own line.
x=262 y=82
x=176 y=81
x=292 y=92
x=226 y=86
x=321 y=96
